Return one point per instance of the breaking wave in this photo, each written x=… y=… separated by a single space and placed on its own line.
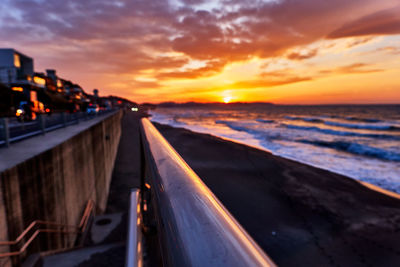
x=363 y=126
x=237 y=126
x=265 y=121
x=339 y=133
x=306 y=119
x=362 y=119
x=357 y=149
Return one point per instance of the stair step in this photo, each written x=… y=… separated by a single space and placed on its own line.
x=78 y=256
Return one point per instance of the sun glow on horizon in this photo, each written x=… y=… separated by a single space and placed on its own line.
x=227 y=99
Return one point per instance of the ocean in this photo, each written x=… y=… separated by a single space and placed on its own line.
x=359 y=141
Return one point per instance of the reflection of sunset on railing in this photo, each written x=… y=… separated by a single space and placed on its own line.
x=193 y=211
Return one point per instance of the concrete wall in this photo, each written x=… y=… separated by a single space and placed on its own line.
x=56 y=185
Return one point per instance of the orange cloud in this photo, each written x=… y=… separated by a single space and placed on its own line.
x=267 y=83
x=99 y=43
x=389 y=49
x=301 y=56
x=359 y=41
x=355 y=68
x=378 y=23
x=212 y=67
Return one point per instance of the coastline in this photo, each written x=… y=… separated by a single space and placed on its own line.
x=363 y=183
x=296 y=212
x=349 y=141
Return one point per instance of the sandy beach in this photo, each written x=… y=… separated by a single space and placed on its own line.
x=300 y=215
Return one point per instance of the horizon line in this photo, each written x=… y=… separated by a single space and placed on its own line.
x=269 y=103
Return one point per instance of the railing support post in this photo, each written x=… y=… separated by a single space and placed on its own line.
x=42 y=124
x=64 y=119
x=23 y=122
x=6 y=132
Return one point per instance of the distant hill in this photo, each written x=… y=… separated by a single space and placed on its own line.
x=213 y=104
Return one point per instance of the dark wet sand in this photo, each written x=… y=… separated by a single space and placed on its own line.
x=300 y=215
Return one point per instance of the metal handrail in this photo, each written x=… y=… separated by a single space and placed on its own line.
x=76 y=230
x=32 y=238
x=134 y=248
x=41 y=126
x=194 y=228
x=33 y=224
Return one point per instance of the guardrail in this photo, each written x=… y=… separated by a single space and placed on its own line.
x=12 y=130
x=193 y=226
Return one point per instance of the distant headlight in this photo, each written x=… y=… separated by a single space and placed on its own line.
x=19 y=112
x=134 y=109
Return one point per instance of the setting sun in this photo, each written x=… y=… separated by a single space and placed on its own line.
x=227 y=99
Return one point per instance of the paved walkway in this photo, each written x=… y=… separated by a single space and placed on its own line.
x=126 y=175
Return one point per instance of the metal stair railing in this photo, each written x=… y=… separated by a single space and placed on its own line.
x=59 y=228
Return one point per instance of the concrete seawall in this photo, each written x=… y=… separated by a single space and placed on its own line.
x=55 y=184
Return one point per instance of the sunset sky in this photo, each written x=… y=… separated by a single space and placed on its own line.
x=281 y=51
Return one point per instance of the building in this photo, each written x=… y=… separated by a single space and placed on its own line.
x=15 y=67
x=43 y=92
x=16 y=72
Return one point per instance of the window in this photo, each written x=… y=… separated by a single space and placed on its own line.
x=17 y=61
